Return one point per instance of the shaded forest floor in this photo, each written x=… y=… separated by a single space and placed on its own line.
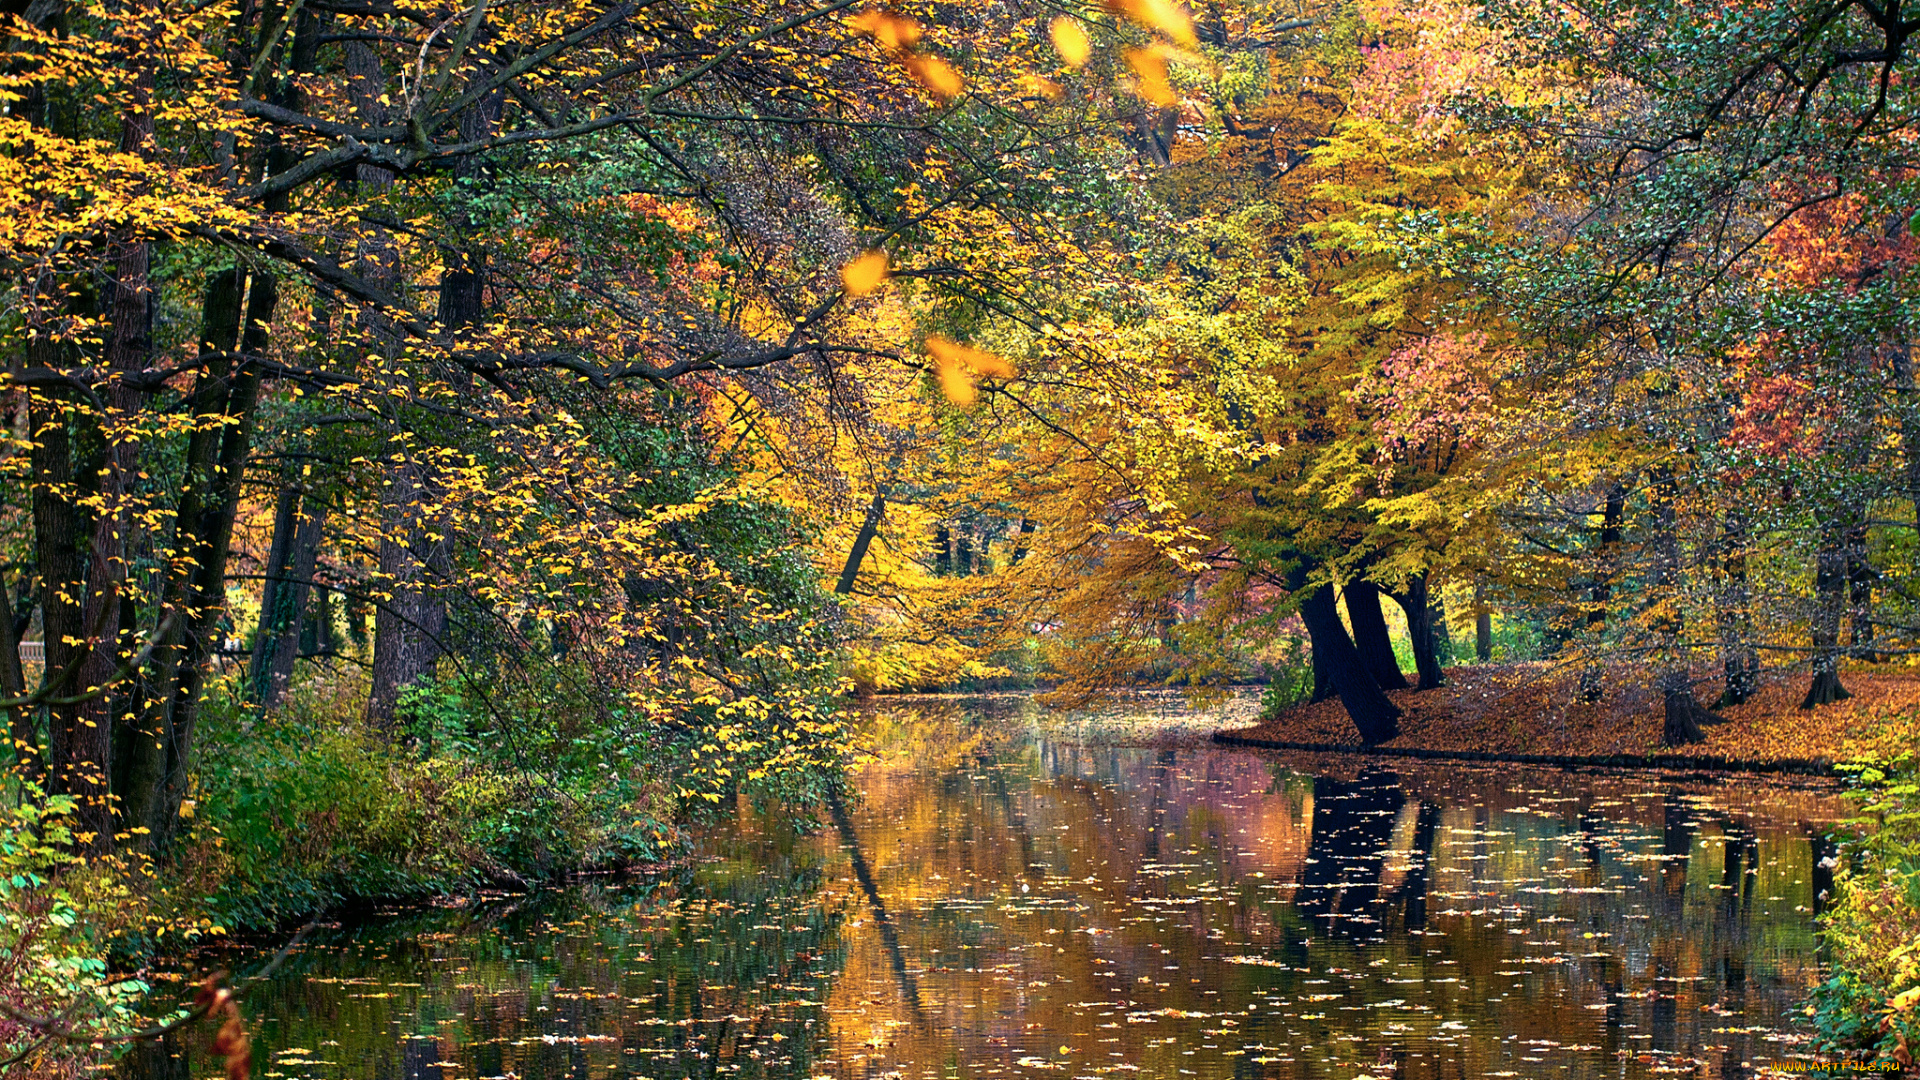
x=1535 y=709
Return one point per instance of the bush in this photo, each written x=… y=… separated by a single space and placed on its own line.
x=304 y=811
x=1871 y=1004
x=53 y=954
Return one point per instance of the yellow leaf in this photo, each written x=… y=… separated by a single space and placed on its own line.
x=955 y=362
x=1150 y=77
x=969 y=358
x=955 y=384
x=1162 y=15
x=936 y=75
x=864 y=274
x=1069 y=40
x=896 y=33
x=1041 y=86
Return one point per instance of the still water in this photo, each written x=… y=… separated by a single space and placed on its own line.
x=1011 y=897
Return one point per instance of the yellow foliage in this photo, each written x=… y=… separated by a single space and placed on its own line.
x=865 y=274
x=1070 y=41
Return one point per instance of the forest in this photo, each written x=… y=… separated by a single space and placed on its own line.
x=457 y=444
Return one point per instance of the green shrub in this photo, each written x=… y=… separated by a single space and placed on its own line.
x=52 y=952
x=1871 y=1003
x=304 y=814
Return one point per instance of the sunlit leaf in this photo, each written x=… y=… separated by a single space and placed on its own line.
x=893 y=31
x=1150 y=76
x=1162 y=15
x=1070 y=41
x=971 y=359
x=936 y=75
x=864 y=274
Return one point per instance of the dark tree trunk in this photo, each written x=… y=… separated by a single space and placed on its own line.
x=1415 y=601
x=942 y=551
x=869 y=528
x=1909 y=409
x=1606 y=550
x=1683 y=711
x=1738 y=659
x=275 y=590
x=1482 y=626
x=20 y=726
x=1829 y=604
x=404 y=642
x=73 y=465
x=139 y=747
x=1860 y=575
x=1322 y=673
x=1021 y=540
x=1376 y=718
x=1370 y=635
x=299 y=525
x=1684 y=714
x=224 y=403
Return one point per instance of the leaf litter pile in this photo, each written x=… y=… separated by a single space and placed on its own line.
x=1536 y=708
x=1027 y=908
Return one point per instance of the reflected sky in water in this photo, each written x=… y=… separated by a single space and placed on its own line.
x=1001 y=902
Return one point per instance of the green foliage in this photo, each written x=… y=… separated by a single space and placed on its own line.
x=1871 y=1004
x=305 y=814
x=1289 y=680
x=52 y=950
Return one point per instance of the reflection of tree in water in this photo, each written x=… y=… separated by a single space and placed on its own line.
x=1352 y=826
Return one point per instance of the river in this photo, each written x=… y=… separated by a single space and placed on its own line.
x=1022 y=895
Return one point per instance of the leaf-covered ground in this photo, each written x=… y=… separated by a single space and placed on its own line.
x=1535 y=709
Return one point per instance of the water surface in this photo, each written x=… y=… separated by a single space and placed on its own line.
x=1010 y=898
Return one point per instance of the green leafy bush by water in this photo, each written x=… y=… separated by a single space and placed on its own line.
x=304 y=811
x=52 y=954
x=1870 y=1005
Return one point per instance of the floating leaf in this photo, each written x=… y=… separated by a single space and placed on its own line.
x=1070 y=41
x=864 y=274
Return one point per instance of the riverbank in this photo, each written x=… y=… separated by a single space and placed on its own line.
x=1534 y=710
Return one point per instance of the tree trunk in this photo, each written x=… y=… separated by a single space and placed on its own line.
x=1908 y=396
x=1415 y=601
x=20 y=726
x=1739 y=660
x=76 y=553
x=403 y=650
x=276 y=590
x=1482 y=626
x=1322 y=671
x=1376 y=718
x=869 y=528
x=224 y=403
x=299 y=527
x=1829 y=604
x=1370 y=635
x=1684 y=714
x=1021 y=540
x=1860 y=575
x=1606 y=551
x=942 y=551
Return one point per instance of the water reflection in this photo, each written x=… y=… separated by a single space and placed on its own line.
x=998 y=904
